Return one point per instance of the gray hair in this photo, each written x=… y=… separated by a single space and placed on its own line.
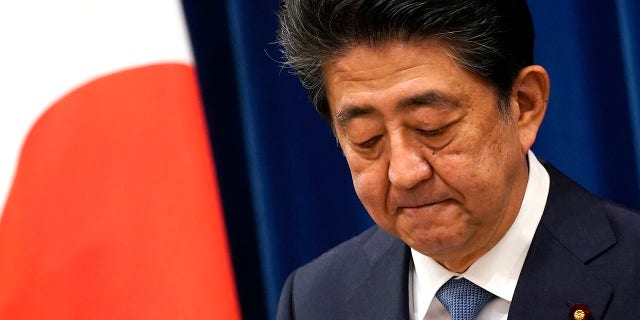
x=490 y=38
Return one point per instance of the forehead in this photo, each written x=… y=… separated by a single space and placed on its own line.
x=393 y=72
x=367 y=61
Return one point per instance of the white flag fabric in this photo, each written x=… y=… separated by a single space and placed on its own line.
x=111 y=205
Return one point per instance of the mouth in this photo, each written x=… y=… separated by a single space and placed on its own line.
x=421 y=207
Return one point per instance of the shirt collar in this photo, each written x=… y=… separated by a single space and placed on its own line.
x=497 y=271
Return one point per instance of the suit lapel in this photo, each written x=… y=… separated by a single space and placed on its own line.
x=383 y=294
x=553 y=280
x=573 y=232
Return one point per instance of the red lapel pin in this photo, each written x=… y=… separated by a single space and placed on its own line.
x=579 y=312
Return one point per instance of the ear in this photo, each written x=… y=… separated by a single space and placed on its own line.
x=529 y=97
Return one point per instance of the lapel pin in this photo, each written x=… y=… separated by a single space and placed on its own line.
x=579 y=312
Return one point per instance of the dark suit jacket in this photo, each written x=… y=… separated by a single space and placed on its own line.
x=585 y=250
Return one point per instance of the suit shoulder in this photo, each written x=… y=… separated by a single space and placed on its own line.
x=346 y=255
x=625 y=224
x=321 y=288
x=621 y=214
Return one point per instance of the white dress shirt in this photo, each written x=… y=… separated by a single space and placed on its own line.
x=497 y=271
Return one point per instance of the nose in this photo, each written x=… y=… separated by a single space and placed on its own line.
x=407 y=166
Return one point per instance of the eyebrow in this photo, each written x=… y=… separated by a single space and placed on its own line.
x=431 y=99
x=348 y=113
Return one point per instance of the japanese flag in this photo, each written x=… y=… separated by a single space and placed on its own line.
x=110 y=201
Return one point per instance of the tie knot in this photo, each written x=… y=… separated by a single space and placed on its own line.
x=462 y=298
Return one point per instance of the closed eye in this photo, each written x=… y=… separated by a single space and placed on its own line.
x=437 y=138
x=369 y=143
x=431 y=133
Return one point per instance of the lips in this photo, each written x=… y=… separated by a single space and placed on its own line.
x=422 y=205
x=419 y=199
x=410 y=202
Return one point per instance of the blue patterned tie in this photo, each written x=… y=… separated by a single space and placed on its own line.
x=462 y=298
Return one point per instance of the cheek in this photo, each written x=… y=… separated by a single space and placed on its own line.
x=369 y=185
x=495 y=173
x=367 y=175
x=478 y=166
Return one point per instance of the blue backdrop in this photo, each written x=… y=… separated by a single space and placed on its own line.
x=286 y=188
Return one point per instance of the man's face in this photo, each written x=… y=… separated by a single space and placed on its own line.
x=432 y=159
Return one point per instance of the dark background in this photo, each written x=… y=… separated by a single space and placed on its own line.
x=286 y=189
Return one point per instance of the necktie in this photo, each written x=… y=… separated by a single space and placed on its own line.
x=462 y=298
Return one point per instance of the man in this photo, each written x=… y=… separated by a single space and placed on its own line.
x=435 y=104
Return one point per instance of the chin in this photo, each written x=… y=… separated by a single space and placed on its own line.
x=433 y=244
